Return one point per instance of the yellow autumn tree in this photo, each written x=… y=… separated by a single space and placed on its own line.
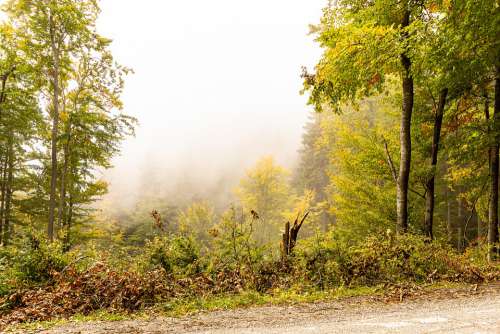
x=265 y=190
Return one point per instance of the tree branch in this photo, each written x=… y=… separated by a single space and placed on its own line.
x=417 y=193
x=389 y=161
x=473 y=210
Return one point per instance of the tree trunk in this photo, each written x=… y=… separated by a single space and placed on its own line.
x=1 y=212
x=494 y=172
x=289 y=238
x=9 y=191
x=5 y=78
x=62 y=197
x=449 y=226
x=405 y=137
x=2 y=197
x=430 y=185
x=55 y=126
x=67 y=234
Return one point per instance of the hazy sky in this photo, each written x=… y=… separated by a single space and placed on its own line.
x=216 y=84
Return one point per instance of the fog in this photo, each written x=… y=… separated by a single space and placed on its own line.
x=216 y=87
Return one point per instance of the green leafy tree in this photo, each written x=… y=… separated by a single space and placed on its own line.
x=52 y=31
x=364 y=42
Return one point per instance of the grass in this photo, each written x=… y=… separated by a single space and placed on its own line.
x=244 y=299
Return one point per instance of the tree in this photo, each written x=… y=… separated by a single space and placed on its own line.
x=265 y=190
x=53 y=30
x=364 y=42
x=313 y=168
x=93 y=128
x=476 y=27
x=197 y=220
x=360 y=144
x=20 y=124
x=58 y=40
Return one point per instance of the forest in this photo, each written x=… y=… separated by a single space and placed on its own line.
x=396 y=184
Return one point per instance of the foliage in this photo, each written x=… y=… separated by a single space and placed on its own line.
x=331 y=261
x=324 y=263
x=197 y=220
x=176 y=254
x=37 y=260
x=61 y=120
x=235 y=247
x=266 y=191
x=61 y=124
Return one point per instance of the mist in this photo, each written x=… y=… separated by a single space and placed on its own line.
x=216 y=87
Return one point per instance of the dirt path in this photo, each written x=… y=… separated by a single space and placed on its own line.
x=445 y=311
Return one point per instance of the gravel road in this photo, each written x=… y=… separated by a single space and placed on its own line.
x=450 y=311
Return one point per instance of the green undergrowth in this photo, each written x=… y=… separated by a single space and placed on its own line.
x=171 y=277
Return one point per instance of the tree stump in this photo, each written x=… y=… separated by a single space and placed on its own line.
x=290 y=236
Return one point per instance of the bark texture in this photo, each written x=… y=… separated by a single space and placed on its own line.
x=290 y=236
x=405 y=136
x=9 y=190
x=494 y=172
x=55 y=126
x=430 y=185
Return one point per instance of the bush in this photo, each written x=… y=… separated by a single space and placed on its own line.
x=234 y=244
x=328 y=261
x=7 y=281
x=177 y=255
x=38 y=259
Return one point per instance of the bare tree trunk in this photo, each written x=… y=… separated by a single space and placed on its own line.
x=62 y=197
x=69 y=221
x=405 y=137
x=3 y=195
x=55 y=126
x=430 y=185
x=4 y=79
x=494 y=172
x=2 y=169
x=9 y=191
x=460 y=236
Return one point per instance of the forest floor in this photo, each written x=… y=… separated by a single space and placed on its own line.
x=464 y=309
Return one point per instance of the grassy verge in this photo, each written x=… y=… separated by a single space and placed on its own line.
x=189 y=306
x=182 y=307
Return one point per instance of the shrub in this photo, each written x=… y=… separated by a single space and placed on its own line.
x=36 y=260
x=234 y=246
x=7 y=281
x=176 y=254
x=328 y=261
